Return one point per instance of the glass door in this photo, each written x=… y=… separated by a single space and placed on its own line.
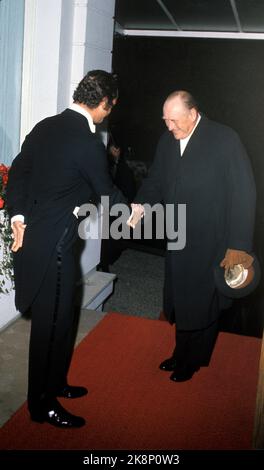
x=11 y=54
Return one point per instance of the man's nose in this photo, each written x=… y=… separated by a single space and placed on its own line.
x=171 y=125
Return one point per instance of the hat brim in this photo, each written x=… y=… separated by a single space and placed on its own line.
x=237 y=293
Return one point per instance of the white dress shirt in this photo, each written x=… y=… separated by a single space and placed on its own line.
x=184 y=142
x=79 y=109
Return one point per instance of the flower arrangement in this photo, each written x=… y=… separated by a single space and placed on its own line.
x=6 y=264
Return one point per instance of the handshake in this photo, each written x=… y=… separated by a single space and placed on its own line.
x=137 y=213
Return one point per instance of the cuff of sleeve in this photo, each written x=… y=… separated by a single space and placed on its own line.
x=19 y=217
x=75 y=212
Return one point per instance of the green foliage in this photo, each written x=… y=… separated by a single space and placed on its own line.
x=6 y=261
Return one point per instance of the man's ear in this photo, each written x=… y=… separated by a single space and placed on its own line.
x=105 y=104
x=193 y=114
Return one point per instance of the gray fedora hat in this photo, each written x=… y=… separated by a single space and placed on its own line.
x=238 y=282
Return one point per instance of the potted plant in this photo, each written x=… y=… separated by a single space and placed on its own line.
x=6 y=264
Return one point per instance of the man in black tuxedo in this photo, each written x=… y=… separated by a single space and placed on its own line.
x=61 y=164
x=202 y=164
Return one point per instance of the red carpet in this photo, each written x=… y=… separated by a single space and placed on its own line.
x=133 y=405
x=162 y=316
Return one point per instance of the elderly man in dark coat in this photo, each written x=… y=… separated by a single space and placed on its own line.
x=204 y=165
x=62 y=163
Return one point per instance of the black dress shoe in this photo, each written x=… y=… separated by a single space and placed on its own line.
x=71 y=391
x=168 y=365
x=183 y=376
x=57 y=416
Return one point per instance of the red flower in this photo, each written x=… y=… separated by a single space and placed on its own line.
x=3 y=169
x=5 y=179
x=3 y=182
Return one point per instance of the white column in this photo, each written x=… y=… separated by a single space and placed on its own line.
x=78 y=44
x=99 y=41
x=99 y=34
x=66 y=52
x=40 y=61
x=92 y=37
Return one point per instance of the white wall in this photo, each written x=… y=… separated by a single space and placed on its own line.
x=92 y=37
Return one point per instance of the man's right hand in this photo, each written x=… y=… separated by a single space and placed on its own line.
x=18 y=229
x=138 y=212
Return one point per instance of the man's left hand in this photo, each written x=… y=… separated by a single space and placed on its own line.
x=18 y=229
x=233 y=257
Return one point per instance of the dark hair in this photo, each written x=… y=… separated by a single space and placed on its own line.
x=96 y=85
x=186 y=97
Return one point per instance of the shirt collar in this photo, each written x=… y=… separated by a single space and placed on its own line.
x=186 y=139
x=79 y=109
x=184 y=142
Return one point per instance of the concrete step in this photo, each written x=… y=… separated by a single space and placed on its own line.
x=94 y=288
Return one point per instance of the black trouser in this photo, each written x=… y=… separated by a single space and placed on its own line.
x=51 y=341
x=194 y=347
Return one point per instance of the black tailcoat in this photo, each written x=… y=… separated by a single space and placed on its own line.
x=215 y=181
x=61 y=164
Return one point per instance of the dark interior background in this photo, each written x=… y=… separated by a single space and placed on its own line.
x=227 y=79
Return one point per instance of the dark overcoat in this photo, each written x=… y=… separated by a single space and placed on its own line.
x=60 y=166
x=214 y=179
